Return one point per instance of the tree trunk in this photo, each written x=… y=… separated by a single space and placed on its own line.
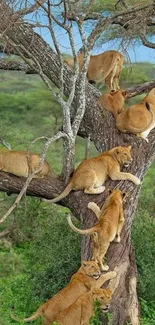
x=102 y=131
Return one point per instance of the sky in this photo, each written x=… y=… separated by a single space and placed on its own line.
x=139 y=53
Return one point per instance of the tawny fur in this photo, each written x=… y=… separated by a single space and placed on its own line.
x=105 y=67
x=91 y=174
x=108 y=228
x=88 y=276
x=113 y=101
x=16 y=163
x=80 y=312
x=140 y=118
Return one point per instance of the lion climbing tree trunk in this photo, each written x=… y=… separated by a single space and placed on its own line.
x=102 y=132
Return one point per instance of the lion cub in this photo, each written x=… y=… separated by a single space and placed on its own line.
x=16 y=163
x=91 y=174
x=109 y=226
x=80 y=312
x=140 y=118
x=88 y=276
x=105 y=67
x=113 y=101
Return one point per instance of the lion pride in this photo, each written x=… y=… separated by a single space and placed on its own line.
x=81 y=311
x=109 y=226
x=92 y=173
x=105 y=67
x=88 y=276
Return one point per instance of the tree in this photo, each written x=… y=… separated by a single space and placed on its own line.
x=81 y=115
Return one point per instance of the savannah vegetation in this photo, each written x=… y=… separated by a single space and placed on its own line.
x=39 y=253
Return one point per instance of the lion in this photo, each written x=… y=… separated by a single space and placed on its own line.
x=105 y=67
x=20 y=163
x=140 y=118
x=88 y=276
x=81 y=311
x=91 y=174
x=109 y=226
x=113 y=101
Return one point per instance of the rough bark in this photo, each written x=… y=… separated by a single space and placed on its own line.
x=103 y=133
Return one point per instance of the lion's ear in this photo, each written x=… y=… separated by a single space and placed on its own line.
x=124 y=194
x=109 y=292
x=94 y=290
x=124 y=93
x=84 y=263
x=129 y=147
x=109 y=190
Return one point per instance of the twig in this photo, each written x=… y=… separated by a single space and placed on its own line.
x=29 y=10
x=4 y=233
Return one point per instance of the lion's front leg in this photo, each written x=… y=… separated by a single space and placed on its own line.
x=105 y=277
x=120 y=176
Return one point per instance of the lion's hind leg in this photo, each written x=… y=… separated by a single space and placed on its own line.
x=92 y=190
x=101 y=255
x=120 y=226
x=91 y=183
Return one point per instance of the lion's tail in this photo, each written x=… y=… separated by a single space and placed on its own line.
x=113 y=62
x=81 y=231
x=29 y=319
x=66 y=191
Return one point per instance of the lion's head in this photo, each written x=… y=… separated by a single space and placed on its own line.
x=123 y=155
x=116 y=193
x=119 y=94
x=91 y=268
x=103 y=296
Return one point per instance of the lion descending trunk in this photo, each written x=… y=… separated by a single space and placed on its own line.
x=81 y=311
x=105 y=67
x=92 y=173
x=108 y=228
x=88 y=276
x=21 y=163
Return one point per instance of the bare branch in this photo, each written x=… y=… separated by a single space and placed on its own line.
x=106 y=21
x=146 y=42
x=140 y=89
x=4 y=233
x=15 y=66
x=29 y=10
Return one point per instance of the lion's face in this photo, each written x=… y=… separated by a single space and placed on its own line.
x=92 y=269
x=103 y=296
x=123 y=155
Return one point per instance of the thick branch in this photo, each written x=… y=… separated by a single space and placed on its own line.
x=19 y=66
x=146 y=42
x=15 y=66
x=29 y=10
x=140 y=89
